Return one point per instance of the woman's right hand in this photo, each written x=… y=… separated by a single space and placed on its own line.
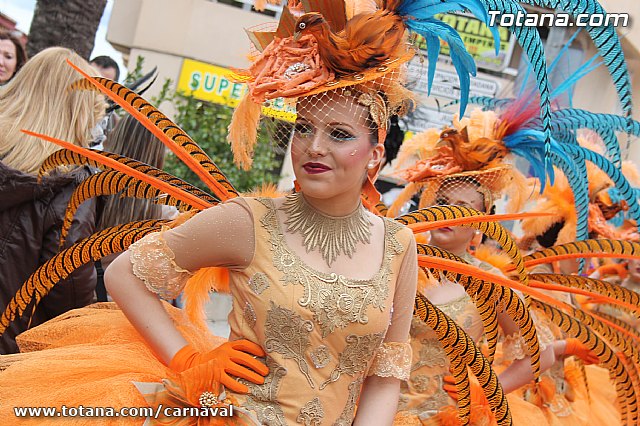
x=232 y=358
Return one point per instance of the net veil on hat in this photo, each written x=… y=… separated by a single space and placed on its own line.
x=467 y=153
x=354 y=48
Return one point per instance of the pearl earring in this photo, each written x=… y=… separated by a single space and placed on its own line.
x=370 y=166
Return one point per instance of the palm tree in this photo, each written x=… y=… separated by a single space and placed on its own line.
x=66 y=23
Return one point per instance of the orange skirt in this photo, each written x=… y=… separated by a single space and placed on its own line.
x=87 y=357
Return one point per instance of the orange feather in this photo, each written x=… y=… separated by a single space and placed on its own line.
x=357 y=47
x=222 y=192
x=197 y=289
x=473 y=154
x=420 y=227
x=157 y=183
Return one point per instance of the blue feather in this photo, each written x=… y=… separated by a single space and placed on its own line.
x=420 y=18
x=530 y=144
x=604 y=124
x=486 y=102
x=606 y=41
x=626 y=190
x=571 y=80
x=432 y=30
x=618 y=219
x=531 y=43
x=427 y=9
x=563 y=51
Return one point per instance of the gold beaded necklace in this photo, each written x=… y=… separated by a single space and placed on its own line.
x=329 y=234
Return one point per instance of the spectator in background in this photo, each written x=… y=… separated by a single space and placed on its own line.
x=12 y=56
x=106 y=67
x=32 y=212
x=129 y=139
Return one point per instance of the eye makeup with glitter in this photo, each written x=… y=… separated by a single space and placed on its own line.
x=341 y=135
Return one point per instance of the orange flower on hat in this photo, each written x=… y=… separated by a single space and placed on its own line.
x=287 y=68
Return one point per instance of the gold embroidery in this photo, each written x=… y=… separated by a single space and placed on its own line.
x=392 y=359
x=249 y=315
x=288 y=334
x=153 y=263
x=262 y=398
x=346 y=417
x=431 y=354
x=320 y=356
x=455 y=307
x=259 y=282
x=513 y=347
x=433 y=403
x=312 y=413
x=334 y=299
x=424 y=383
x=355 y=356
x=403 y=401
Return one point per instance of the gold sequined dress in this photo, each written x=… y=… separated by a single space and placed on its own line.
x=323 y=333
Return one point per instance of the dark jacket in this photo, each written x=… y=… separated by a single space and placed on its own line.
x=31 y=216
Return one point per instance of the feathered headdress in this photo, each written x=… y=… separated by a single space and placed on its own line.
x=604 y=205
x=472 y=150
x=322 y=46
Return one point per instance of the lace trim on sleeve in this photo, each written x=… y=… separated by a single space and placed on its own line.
x=153 y=263
x=513 y=346
x=392 y=359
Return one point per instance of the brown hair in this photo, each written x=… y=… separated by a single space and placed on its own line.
x=131 y=139
x=21 y=53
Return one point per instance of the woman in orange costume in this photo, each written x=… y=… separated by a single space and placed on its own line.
x=322 y=288
x=595 y=392
x=430 y=395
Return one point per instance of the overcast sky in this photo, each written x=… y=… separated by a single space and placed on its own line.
x=21 y=11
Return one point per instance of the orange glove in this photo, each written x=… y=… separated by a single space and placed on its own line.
x=231 y=357
x=477 y=395
x=577 y=348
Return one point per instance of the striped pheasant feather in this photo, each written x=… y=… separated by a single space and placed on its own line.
x=178 y=193
x=490 y=229
x=588 y=248
x=65 y=157
x=613 y=336
x=529 y=38
x=619 y=180
x=606 y=41
x=476 y=280
x=113 y=182
x=618 y=322
x=482 y=294
x=629 y=297
x=627 y=398
x=165 y=130
x=460 y=347
x=60 y=266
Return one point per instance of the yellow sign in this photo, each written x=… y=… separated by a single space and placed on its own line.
x=213 y=84
x=479 y=42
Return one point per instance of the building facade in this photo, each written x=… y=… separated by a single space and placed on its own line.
x=196 y=43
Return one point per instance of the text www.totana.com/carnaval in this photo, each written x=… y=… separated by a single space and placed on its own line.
x=154 y=412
